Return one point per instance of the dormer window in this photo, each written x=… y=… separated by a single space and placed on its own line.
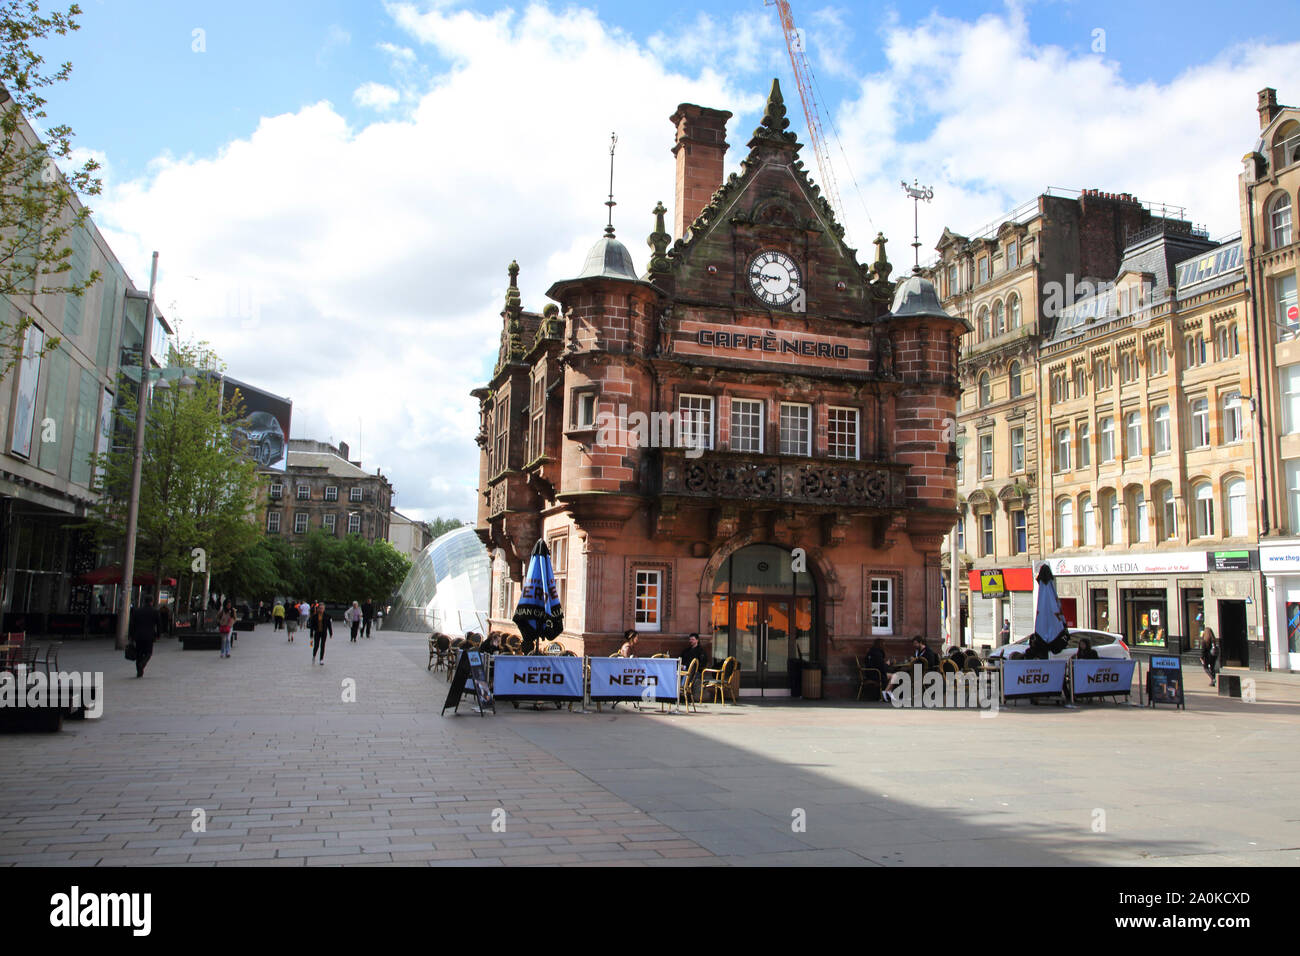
x=1013 y=256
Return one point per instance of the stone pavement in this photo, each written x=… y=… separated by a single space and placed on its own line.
x=286 y=772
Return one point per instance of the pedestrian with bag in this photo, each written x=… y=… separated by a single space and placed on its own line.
x=320 y=628
x=143 y=632
x=353 y=616
x=226 y=627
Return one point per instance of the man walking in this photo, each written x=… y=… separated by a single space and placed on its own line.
x=277 y=616
x=144 y=630
x=353 y=616
x=291 y=619
x=367 y=614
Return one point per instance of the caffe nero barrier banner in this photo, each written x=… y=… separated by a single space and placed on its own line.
x=634 y=678
x=534 y=678
x=1026 y=678
x=1095 y=678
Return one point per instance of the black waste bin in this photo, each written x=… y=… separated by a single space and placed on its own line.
x=794 y=670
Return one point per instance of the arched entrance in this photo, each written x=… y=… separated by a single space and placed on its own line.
x=763 y=613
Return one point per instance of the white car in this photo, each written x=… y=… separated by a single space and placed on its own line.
x=1106 y=644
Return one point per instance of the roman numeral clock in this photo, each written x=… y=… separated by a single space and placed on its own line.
x=774 y=278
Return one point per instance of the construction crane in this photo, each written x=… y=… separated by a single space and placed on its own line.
x=812 y=113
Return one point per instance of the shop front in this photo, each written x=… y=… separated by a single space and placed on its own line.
x=1001 y=596
x=1162 y=602
x=1280 y=565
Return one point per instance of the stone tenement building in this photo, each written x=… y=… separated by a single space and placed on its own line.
x=747 y=440
x=1269 y=188
x=1150 y=464
x=1010 y=280
x=321 y=489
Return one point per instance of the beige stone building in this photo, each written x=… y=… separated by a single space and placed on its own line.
x=320 y=489
x=1148 y=477
x=1009 y=280
x=1269 y=188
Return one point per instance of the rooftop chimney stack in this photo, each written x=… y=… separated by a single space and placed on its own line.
x=1268 y=107
x=700 y=147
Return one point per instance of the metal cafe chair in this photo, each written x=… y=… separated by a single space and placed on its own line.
x=865 y=678
x=722 y=683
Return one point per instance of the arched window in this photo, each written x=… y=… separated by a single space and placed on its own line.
x=1085 y=445
x=1167 y=516
x=1160 y=430
x=1138 y=530
x=986 y=392
x=985 y=333
x=1065 y=523
x=1015 y=379
x=1013 y=307
x=1236 y=494
x=1089 y=520
x=1203 y=509
x=1080 y=382
x=1279 y=220
x=1113 y=529
x=998 y=327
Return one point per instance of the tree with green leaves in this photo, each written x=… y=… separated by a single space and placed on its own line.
x=440 y=526
x=38 y=211
x=197 y=488
x=349 y=569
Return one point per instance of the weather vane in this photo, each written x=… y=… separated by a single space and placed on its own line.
x=609 y=227
x=917 y=193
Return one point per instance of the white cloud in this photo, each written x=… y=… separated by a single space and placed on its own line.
x=376 y=96
x=361 y=269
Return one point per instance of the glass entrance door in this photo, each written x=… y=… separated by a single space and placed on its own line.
x=762 y=639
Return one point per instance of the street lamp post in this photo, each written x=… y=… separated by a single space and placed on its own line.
x=137 y=462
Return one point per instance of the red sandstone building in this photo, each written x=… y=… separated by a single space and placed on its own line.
x=752 y=440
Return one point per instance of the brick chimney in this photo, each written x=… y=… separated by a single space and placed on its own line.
x=343 y=450
x=700 y=147
x=1268 y=107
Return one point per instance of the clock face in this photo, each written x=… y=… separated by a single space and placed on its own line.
x=774 y=278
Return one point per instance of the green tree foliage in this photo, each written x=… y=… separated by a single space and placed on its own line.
x=197 y=490
x=322 y=568
x=440 y=526
x=37 y=212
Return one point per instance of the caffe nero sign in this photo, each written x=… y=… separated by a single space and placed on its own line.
x=770 y=342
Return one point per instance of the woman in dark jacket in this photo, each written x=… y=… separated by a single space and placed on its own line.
x=320 y=629
x=1210 y=653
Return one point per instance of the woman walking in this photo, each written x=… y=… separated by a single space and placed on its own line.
x=225 y=625
x=353 y=616
x=320 y=629
x=1210 y=653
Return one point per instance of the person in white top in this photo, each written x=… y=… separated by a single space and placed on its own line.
x=353 y=616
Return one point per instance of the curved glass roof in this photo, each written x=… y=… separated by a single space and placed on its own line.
x=448 y=586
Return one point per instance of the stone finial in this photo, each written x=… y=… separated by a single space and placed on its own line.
x=775 y=123
x=658 y=241
x=512 y=293
x=882 y=268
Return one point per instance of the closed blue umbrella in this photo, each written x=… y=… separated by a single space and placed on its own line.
x=538 y=614
x=1049 y=619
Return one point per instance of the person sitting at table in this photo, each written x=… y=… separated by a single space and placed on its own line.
x=694 y=652
x=492 y=644
x=957 y=656
x=1086 y=653
x=923 y=654
x=629 y=644
x=876 y=659
x=1038 y=649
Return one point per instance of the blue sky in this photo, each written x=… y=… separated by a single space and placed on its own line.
x=335 y=188
x=272 y=57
